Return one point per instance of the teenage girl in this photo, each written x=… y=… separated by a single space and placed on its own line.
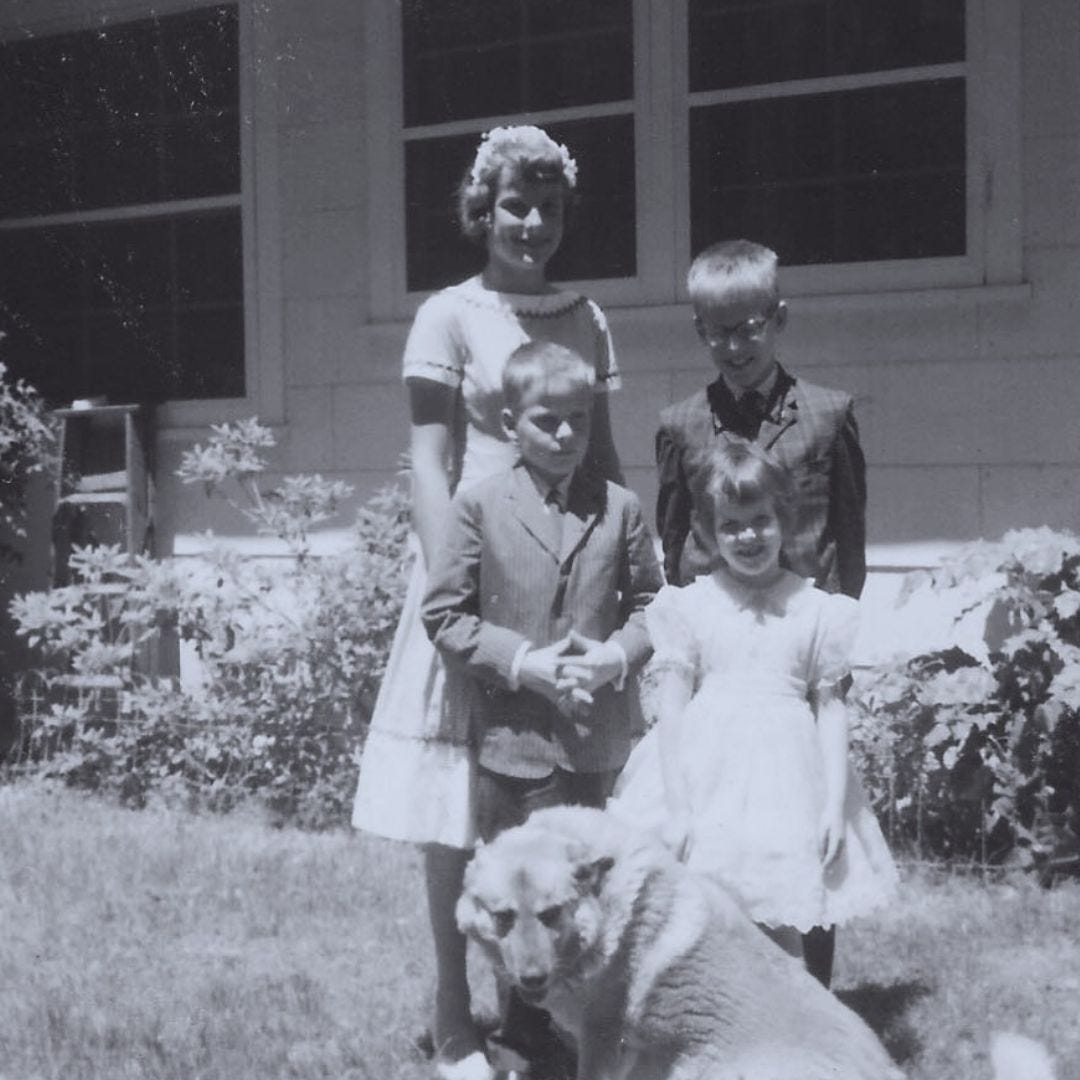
x=416 y=775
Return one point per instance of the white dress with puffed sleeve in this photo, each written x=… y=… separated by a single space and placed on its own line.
x=748 y=753
x=416 y=769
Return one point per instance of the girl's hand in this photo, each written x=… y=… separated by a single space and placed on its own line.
x=590 y=664
x=677 y=833
x=831 y=831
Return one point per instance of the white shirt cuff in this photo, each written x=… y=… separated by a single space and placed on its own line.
x=514 y=678
x=620 y=681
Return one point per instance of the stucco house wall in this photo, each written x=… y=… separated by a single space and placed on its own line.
x=967 y=397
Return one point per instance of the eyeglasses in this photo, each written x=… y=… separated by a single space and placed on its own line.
x=753 y=327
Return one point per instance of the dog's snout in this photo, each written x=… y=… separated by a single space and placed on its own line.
x=533 y=984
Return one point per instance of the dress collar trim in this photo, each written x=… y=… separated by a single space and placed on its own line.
x=772 y=600
x=540 y=305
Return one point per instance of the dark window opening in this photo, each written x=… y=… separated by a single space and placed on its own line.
x=471 y=58
x=832 y=178
x=139 y=305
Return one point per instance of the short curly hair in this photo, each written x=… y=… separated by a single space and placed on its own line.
x=741 y=473
x=529 y=152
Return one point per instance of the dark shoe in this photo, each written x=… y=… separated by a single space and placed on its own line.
x=549 y=1059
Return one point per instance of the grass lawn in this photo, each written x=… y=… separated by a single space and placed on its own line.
x=156 y=944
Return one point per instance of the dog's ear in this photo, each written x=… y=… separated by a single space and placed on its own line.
x=590 y=874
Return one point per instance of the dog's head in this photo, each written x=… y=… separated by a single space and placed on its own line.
x=531 y=900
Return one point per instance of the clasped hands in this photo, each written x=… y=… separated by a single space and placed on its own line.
x=569 y=670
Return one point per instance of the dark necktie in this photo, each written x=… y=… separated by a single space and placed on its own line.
x=752 y=409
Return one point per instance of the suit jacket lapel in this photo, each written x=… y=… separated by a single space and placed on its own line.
x=530 y=511
x=782 y=412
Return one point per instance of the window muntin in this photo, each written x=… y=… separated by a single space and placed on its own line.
x=120 y=218
x=463 y=62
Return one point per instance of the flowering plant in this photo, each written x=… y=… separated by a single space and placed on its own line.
x=291 y=650
x=28 y=446
x=496 y=144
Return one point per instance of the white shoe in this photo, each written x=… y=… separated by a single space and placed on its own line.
x=473 y=1066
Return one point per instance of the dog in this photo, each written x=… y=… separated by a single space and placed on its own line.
x=653 y=971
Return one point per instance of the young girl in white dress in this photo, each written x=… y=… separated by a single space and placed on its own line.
x=746 y=769
x=416 y=770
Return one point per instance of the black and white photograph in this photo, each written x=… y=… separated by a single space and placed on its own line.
x=539 y=539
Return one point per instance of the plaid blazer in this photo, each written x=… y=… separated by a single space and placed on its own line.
x=812 y=431
x=511 y=572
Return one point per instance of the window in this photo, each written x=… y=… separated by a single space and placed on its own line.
x=121 y=255
x=832 y=130
x=530 y=56
x=874 y=143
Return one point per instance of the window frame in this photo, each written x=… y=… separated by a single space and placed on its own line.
x=259 y=217
x=661 y=109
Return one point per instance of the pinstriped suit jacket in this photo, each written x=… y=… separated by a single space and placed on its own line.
x=812 y=431
x=511 y=571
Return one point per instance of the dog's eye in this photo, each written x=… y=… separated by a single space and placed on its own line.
x=504 y=921
x=550 y=916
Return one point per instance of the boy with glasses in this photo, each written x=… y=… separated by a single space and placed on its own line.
x=810 y=430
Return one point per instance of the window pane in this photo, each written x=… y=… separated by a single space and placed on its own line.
x=601 y=240
x=201 y=157
x=137 y=310
x=600 y=235
x=846 y=177
x=135 y=113
x=436 y=254
x=748 y=42
x=199 y=63
x=115 y=167
x=35 y=174
x=477 y=58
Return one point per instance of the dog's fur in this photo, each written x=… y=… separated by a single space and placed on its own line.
x=654 y=972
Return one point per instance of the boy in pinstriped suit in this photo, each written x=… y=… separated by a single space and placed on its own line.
x=538 y=596
x=809 y=429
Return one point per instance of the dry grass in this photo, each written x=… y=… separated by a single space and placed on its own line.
x=162 y=945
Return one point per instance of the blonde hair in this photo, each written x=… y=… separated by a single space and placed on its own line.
x=733 y=268
x=525 y=151
x=542 y=362
x=740 y=473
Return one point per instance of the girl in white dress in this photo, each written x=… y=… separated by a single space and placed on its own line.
x=416 y=769
x=746 y=770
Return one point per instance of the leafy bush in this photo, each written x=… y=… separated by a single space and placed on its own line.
x=975 y=754
x=27 y=447
x=291 y=649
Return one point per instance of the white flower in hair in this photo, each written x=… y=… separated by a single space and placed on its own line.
x=494 y=143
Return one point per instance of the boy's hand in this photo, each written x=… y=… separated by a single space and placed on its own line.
x=592 y=664
x=676 y=833
x=539 y=670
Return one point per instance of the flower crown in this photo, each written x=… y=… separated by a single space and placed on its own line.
x=495 y=143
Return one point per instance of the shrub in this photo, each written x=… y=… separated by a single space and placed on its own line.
x=27 y=447
x=978 y=756
x=291 y=650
